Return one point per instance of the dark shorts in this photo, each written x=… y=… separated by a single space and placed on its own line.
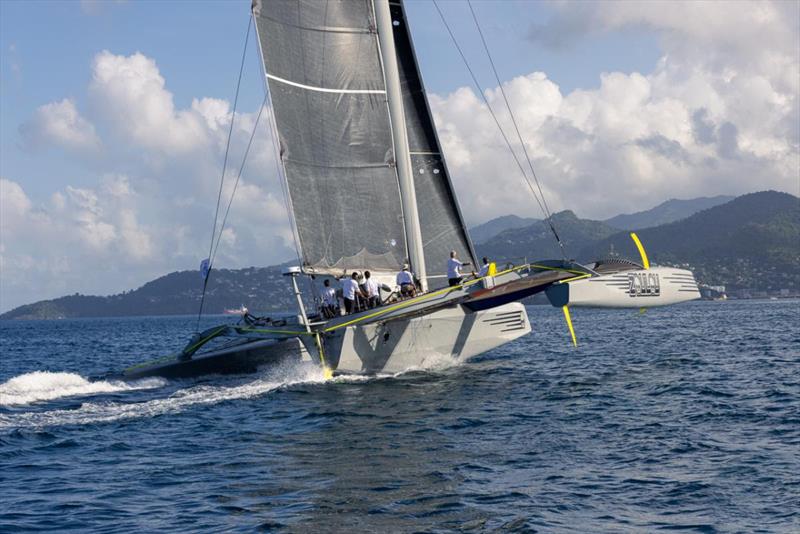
x=455 y=281
x=406 y=289
x=349 y=305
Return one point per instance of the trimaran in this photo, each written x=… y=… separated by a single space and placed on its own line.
x=368 y=189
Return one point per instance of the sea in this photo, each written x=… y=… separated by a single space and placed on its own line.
x=681 y=419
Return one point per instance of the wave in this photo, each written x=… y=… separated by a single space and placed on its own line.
x=44 y=385
x=106 y=412
x=40 y=386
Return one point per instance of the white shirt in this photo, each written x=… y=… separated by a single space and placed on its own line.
x=453 y=268
x=349 y=288
x=404 y=277
x=484 y=270
x=372 y=288
x=329 y=296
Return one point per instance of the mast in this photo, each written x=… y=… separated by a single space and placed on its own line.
x=394 y=95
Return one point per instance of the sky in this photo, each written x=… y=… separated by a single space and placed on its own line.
x=114 y=117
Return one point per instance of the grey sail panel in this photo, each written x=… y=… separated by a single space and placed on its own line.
x=328 y=94
x=442 y=225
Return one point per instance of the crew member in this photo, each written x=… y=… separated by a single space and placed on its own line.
x=406 y=282
x=484 y=271
x=349 y=291
x=373 y=291
x=330 y=304
x=454 y=269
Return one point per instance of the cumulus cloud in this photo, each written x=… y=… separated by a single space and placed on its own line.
x=60 y=124
x=131 y=95
x=717 y=114
x=151 y=206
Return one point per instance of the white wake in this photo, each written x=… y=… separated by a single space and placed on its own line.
x=44 y=385
x=105 y=412
x=39 y=386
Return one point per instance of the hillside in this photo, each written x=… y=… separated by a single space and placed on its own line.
x=178 y=293
x=752 y=242
x=670 y=211
x=536 y=241
x=491 y=228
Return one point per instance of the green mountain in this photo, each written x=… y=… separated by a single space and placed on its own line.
x=491 y=228
x=751 y=242
x=537 y=242
x=178 y=293
x=670 y=211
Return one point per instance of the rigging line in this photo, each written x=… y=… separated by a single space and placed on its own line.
x=222 y=179
x=548 y=213
x=230 y=135
x=238 y=177
x=488 y=105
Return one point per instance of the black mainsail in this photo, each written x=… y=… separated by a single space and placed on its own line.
x=442 y=225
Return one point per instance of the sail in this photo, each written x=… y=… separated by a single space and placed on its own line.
x=328 y=94
x=441 y=222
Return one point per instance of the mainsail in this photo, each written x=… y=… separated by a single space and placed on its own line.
x=328 y=92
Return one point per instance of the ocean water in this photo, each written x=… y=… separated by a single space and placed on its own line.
x=680 y=419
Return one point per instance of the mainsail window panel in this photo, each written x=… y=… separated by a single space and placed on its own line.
x=328 y=94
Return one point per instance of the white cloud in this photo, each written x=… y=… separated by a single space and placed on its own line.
x=145 y=207
x=60 y=124
x=130 y=93
x=718 y=114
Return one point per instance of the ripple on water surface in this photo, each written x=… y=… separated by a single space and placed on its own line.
x=685 y=418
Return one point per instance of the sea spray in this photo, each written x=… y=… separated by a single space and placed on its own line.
x=44 y=385
x=178 y=401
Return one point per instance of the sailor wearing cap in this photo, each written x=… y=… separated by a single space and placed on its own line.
x=406 y=282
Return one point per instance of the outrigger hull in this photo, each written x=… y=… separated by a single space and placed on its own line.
x=241 y=358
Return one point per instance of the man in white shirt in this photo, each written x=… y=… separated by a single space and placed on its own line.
x=330 y=304
x=484 y=268
x=454 y=269
x=349 y=291
x=406 y=282
x=373 y=291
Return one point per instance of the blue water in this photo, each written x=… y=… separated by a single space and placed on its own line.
x=685 y=418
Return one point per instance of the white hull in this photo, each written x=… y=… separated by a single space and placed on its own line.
x=657 y=286
x=402 y=344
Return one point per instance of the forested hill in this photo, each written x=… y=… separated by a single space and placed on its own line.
x=178 y=293
x=670 y=211
x=750 y=243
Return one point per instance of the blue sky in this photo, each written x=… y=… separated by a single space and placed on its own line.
x=114 y=114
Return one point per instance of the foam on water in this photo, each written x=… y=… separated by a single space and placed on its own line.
x=44 y=385
x=90 y=412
